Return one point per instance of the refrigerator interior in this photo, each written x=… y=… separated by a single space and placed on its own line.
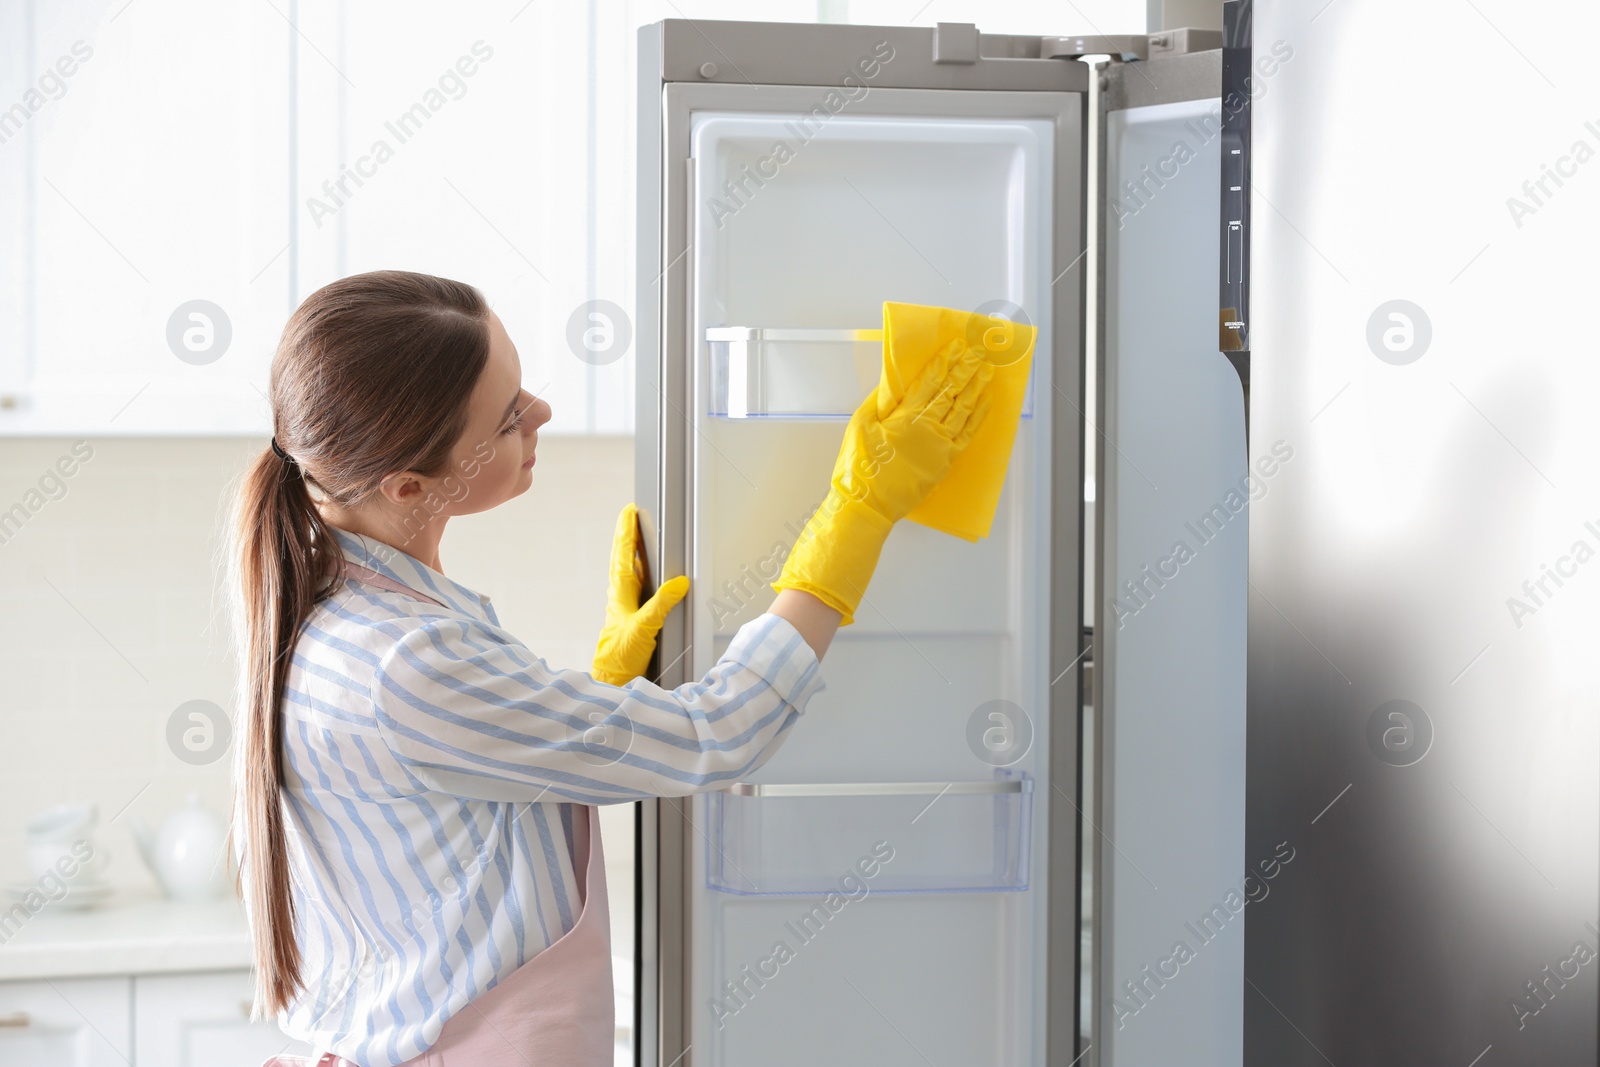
x=950 y=211
x=1171 y=613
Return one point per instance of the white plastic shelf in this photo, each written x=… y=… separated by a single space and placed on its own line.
x=794 y=372
x=785 y=839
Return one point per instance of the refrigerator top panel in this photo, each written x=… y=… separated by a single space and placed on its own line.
x=844 y=57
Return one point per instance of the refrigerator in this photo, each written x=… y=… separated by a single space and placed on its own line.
x=792 y=178
x=1220 y=749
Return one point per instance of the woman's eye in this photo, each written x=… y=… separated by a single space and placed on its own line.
x=516 y=422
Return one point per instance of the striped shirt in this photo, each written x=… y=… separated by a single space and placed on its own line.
x=433 y=766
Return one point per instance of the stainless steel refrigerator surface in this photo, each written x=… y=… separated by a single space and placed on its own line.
x=1422 y=694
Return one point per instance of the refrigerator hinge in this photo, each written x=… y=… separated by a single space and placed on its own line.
x=1125 y=47
x=1233 y=268
x=955 y=42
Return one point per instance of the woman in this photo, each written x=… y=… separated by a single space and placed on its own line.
x=414 y=814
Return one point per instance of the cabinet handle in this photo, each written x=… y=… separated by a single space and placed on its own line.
x=17 y=1019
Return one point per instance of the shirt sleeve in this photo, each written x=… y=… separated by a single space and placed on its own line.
x=470 y=712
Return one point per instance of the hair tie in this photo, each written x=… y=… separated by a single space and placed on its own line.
x=281 y=453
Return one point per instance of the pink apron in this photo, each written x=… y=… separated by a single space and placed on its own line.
x=556 y=1010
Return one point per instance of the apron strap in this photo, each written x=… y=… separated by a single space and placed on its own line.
x=372 y=577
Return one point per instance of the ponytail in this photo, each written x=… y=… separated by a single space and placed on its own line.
x=279 y=580
x=372 y=376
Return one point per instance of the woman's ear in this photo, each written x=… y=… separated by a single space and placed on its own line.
x=406 y=489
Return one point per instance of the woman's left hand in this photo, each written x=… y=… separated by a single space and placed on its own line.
x=629 y=635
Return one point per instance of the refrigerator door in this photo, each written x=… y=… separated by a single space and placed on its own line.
x=897 y=882
x=1172 y=488
x=1423 y=620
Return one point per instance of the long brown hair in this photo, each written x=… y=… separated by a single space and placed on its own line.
x=371 y=377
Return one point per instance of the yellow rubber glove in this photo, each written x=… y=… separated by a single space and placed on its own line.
x=629 y=635
x=893 y=453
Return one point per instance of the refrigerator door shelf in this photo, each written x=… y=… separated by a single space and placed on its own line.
x=877 y=789
x=796 y=373
x=793 y=373
x=950 y=837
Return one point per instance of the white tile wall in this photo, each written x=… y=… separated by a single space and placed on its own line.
x=112 y=614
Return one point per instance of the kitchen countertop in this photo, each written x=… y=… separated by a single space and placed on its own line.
x=135 y=932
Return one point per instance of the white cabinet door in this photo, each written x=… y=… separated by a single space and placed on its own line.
x=202 y=1020
x=65 y=1022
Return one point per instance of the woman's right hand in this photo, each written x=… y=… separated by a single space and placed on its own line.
x=893 y=454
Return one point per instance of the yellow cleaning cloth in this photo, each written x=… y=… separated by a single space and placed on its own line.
x=964 y=503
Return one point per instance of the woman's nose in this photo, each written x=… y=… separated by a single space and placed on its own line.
x=538 y=414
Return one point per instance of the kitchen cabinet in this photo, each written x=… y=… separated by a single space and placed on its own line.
x=202 y=1020
x=66 y=1022
x=159 y=1020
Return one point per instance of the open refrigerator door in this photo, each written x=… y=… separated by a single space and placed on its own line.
x=886 y=885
